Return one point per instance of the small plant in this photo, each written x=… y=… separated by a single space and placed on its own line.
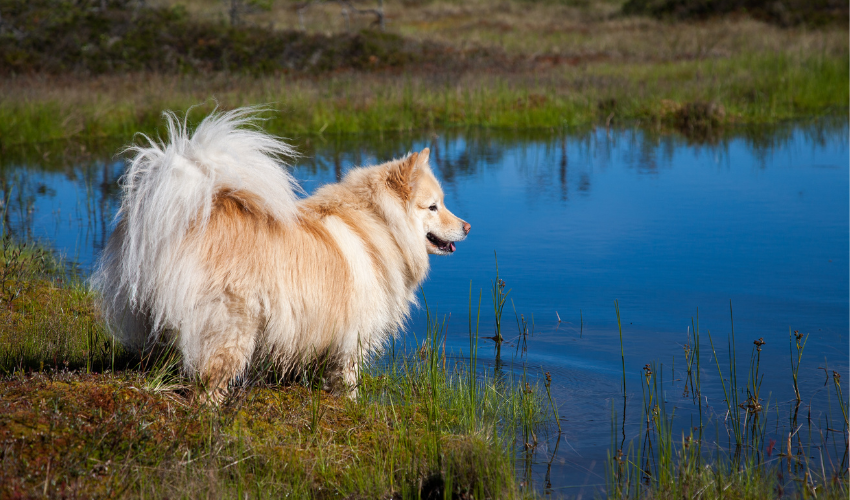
x=524 y=331
x=551 y=402
x=799 y=341
x=658 y=425
x=529 y=409
x=730 y=392
x=836 y=380
x=622 y=352
x=472 y=368
x=753 y=403
x=692 y=359
x=500 y=296
x=435 y=332
x=313 y=378
x=161 y=368
x=316 y=410
x=21 y=262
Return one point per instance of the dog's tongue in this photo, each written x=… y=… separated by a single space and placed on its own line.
x=452 y=247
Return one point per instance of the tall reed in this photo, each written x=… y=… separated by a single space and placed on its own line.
x=799 y=341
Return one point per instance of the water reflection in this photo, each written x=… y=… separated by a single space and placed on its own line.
x=661 y=224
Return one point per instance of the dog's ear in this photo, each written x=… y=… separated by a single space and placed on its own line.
x=422 y=159
x=403 y=176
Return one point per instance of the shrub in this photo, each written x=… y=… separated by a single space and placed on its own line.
x=783 y=12
x=106 y=36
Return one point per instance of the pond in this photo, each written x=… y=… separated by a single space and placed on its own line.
x=750 y=230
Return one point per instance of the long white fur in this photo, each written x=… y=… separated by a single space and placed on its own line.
x=168 y=187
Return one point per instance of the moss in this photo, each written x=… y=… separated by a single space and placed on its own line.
x=87 y=435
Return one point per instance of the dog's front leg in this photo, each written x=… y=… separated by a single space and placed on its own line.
x=351 y=376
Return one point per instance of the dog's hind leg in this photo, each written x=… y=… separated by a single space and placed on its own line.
x=228 y=343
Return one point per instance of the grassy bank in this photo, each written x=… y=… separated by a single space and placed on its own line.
x=690 y=96
x=69 y=433
x=80 y=417
x=515 y=65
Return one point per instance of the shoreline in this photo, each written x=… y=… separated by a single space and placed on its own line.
x=668 y=97
x=81 y=416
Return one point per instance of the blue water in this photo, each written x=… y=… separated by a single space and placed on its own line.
x=669 y=230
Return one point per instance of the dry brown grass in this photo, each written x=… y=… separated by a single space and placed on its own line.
x=591 y=30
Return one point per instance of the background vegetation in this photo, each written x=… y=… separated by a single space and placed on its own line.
x=783 y=13
x=114 y=36
x=81 y=71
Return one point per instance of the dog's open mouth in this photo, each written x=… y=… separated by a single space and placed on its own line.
x=445 y=246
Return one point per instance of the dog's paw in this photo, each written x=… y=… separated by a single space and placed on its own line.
x=214 y=396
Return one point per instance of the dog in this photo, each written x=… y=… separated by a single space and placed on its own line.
x=216 y=249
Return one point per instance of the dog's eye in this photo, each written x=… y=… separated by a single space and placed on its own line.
x=433 y=208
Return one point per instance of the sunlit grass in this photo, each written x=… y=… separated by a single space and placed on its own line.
x=747 y=89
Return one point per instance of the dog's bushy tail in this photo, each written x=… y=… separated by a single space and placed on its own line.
x=169 y=188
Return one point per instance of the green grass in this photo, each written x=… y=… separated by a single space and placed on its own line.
x=47 y=317
x=747 y=89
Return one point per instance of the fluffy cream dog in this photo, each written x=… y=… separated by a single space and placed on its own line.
x=214 y=249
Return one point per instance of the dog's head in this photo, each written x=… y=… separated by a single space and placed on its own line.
x=413 y=180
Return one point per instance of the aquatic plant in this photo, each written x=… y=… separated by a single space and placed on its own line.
x=799 y=341
x=750 y=467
